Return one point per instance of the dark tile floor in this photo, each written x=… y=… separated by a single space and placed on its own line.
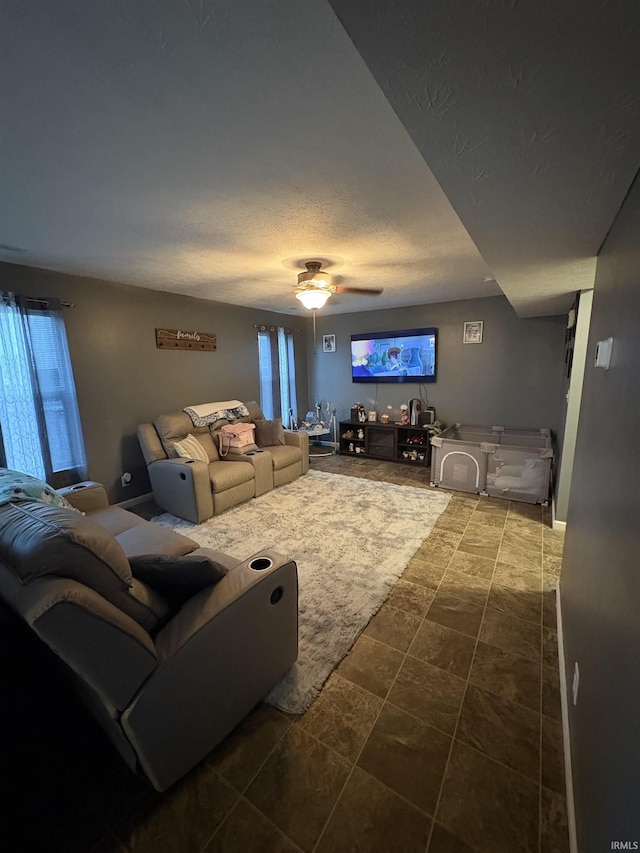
x=439 y=732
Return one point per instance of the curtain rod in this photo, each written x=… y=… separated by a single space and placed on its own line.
x=262 y=327
x=45 y=302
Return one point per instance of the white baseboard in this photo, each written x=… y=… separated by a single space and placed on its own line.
x=564 y=700
x=555 y=524
x=133 y=501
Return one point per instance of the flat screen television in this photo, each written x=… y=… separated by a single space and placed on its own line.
x=404 y=356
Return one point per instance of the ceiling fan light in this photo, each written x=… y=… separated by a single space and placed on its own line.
x=313 y=298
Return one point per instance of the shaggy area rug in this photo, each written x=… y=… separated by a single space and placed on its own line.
x=351 y=539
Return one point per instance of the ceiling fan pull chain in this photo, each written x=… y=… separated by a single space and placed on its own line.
x=313 y=311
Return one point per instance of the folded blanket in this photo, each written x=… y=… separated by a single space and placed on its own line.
x=209 y=413
x=18 y=486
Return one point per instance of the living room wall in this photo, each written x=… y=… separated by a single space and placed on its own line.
x=123 y=379
x=513 y=378
x=600 y=581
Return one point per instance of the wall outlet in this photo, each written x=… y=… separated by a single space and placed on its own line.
x=125 y=479
x=576 y=683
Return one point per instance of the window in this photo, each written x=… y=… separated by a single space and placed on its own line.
x=277 y=374
x=39 y=419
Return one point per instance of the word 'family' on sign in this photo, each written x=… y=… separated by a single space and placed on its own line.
x=180 y=339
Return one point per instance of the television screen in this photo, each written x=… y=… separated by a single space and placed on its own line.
x=405 y=356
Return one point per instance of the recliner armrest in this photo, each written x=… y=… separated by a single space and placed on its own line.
x=211 y=602
x=299 y=438
x=87 y=496
x=182 y=487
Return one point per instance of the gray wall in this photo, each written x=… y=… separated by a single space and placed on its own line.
x=600 y=582
x=123 y=379
x=513 y=378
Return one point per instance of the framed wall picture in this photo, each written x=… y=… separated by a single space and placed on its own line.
x=472 y=332
x=328 y=343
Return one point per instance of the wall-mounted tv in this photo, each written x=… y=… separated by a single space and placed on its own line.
x=404 y=356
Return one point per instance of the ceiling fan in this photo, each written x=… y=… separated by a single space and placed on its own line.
x=315 y=287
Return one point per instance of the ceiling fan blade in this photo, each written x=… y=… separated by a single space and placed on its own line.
x=362 y=291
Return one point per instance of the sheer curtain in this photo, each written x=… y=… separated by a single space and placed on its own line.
x=278 y=398
x=39 y=419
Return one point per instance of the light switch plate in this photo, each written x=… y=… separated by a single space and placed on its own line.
x=603 y=353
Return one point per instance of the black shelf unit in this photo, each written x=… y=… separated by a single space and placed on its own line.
x=394 y=442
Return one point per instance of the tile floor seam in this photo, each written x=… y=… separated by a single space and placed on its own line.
x=497 y=761
x=444 y=772
x=498 y=696
x=405 y=655
x=222 y=822
x=273 y=749
x=109 y=834
x=464 y=696
x=385 y=699
x=355 y=764
x=242 y=792
x=262 y=815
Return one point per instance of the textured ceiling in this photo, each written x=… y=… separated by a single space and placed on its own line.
x=210 y=148
x=528 y=114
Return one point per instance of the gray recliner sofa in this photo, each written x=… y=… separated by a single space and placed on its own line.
x=167 y=680
x=197 y=490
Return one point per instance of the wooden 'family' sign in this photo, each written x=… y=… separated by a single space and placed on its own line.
x=177 y=339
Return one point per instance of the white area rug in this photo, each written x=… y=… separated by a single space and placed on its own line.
x=351 y=539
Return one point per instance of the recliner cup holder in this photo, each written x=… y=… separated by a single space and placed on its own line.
x=260 y=564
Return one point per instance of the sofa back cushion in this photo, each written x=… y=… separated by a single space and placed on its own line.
x=255 y=412
x=176 y=427
x=38 y=540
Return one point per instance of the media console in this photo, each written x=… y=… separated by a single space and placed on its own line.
x=395 y=442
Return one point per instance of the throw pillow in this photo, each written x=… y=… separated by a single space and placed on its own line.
x=18 y=486
x=269 y=433
x=177 y=578
x=190 y=448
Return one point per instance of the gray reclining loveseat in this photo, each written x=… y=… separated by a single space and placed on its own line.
x=169 y=665
x=197 y=490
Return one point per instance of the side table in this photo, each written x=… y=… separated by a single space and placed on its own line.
x=316 y=448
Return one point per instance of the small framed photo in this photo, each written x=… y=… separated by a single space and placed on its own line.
x=472 y=332
x=328 y=343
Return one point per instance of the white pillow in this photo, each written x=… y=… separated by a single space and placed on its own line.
x=190 y=448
